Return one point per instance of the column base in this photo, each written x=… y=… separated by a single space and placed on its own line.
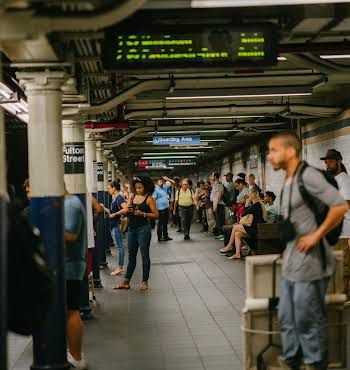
x=66 y=366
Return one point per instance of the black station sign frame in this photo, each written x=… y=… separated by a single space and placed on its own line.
x=223 y=47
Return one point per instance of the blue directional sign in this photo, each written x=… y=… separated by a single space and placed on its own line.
x=178 y=140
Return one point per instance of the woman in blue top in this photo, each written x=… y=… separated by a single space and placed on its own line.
x=118 y=202
x=141 y=209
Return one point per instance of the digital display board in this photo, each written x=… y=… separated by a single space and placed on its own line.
x=188 y=47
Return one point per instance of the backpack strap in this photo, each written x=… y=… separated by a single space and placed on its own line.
x=311 y=204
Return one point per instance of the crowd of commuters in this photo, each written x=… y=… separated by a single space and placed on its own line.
x=229 y=211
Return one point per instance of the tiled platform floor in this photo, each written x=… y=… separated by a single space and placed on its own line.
x=189 y=320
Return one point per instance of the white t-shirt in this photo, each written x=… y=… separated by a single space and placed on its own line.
x=343 y=181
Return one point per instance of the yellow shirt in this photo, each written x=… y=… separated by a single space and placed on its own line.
x=184 y=198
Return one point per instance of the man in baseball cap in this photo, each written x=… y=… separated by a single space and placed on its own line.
x=334 y=165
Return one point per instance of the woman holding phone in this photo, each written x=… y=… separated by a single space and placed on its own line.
x=140 y=209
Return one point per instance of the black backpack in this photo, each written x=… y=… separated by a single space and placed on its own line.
x=225 y=194
x=30 y=280
x=318 y=208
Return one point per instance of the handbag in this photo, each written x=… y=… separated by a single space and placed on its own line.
x=246 y=220
x=124 y=223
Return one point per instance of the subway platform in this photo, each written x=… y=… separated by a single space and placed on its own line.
x=189 y=320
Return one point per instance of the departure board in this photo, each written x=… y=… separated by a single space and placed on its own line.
x=190 y=48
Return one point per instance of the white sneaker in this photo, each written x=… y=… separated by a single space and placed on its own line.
x=81 y=365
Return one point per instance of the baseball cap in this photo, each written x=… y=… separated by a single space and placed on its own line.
x=332 y=154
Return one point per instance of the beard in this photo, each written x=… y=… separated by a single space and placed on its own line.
x=332 y=171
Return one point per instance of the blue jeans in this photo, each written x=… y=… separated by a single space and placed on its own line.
x=139 y=237
x=117 y=236
x=303 y=322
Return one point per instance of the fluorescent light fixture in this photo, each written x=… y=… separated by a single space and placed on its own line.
x=244 y=3
x=203 y=117
x=212 y=140
x=248 y=92
x=16 y=108
x=335 y=56
x=192 y=131
x=281 y=59
x=191 y=147
x=172 y=153
x=169 y=157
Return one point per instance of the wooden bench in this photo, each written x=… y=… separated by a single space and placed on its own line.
x=267 y=240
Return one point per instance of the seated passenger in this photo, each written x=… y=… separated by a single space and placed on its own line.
x=272 y=212
x=239 y=231
x=243 y=189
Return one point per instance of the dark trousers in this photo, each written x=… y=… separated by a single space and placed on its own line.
x=220 y=219
x=203 y=218
x=139 y=237
x=162 y=228
x=186 y=214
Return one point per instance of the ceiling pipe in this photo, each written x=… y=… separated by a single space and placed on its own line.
x=315 y=111
x=184 y=83
x=20 y=25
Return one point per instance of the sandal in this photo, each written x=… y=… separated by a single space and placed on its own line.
x=124 y=285
x=144 y=286
x=234 y=257
x=118 y=271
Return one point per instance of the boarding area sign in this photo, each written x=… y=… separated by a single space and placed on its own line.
x=177 y=140
x=150 y=47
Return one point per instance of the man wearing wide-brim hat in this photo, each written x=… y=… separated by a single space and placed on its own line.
x=334 y=165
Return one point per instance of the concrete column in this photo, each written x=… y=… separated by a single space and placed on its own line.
x=107 y=177
x=114 y=170
x=101 y=229
x=43 y=90
x=91 y=181
x=110 y=170
x=3 y=243
x=73 y=135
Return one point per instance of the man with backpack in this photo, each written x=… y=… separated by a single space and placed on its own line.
x=333 y=160
x=308 y=261
x=217 y=197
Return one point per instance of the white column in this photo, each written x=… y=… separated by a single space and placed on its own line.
x=105 y=170
x=44 y=95
x=114 y=170
x=90 y=163
x=100 y=171
x=73 y=135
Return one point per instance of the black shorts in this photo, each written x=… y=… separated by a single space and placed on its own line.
x=73 y=294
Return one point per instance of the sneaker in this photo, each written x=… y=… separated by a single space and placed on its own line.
x=187 y=237
x=220 y=238
x=81 y=365
x=168 y=239
x=284 y=366
x=179 y=231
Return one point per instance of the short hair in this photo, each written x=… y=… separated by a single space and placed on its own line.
x=115 y=184
x=290 y=139
x=241 y=175
x=145 y=181
x=240 y=181
x=216 y=174
x=271 y=194
x=252 y=176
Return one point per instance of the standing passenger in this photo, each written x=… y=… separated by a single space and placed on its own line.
x=185 y=200
x=161 y=196
x=335 y=166
x=118 y=201
x=305 y=274
x=141 y=208
x=218 y=205
x=76 y=254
